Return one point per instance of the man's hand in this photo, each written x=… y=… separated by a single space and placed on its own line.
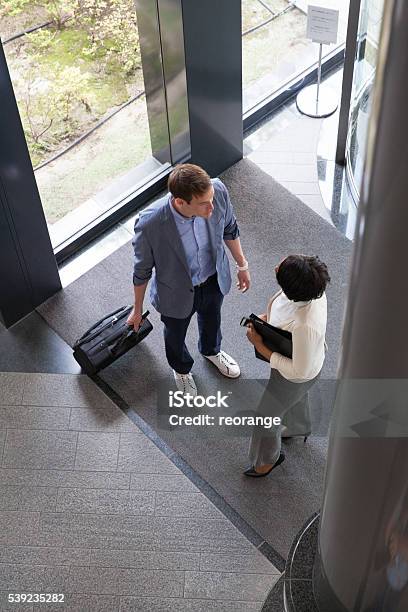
x=135 y=319
x=244 y=281
x=264 y=317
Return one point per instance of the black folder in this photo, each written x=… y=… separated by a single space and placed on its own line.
x=277 y=340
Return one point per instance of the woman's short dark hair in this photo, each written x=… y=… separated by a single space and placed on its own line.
x=302 y=278
x=188 y=180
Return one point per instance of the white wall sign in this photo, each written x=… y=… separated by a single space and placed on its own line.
x=322 y=24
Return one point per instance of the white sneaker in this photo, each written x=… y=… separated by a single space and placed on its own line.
x=185 y=383
x=226 y=364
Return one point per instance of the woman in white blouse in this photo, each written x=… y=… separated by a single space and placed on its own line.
x=301 y=308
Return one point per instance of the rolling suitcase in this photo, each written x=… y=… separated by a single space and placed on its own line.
x=108 y=339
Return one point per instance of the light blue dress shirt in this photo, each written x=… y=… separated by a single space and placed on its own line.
x=199 y=252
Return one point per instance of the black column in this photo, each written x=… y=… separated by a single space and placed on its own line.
x=28 y=270
x=192 y=66
x=213 y=52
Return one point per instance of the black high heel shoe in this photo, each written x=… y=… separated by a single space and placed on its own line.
x=305 y=437
x=254 y=474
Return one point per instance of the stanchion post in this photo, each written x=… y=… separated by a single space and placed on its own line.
x=319 y=101
x=319 y=75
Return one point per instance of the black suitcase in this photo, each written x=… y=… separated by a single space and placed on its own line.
x=108 y=339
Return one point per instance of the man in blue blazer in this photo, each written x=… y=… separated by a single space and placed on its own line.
x=179 y=245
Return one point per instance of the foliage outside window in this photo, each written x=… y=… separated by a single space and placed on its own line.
x=68 y=74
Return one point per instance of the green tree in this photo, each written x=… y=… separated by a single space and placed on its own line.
x=112 y=32
x=57 y=10
x=13 y=7
x=52 y=109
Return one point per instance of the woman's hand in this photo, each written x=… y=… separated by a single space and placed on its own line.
x=253 y=335
x=256 y=340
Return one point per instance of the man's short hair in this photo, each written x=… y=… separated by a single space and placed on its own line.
x=187 y=181
x=302 y=278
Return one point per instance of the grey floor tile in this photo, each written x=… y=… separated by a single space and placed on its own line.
x=106 y=501
x=7 y=606
x=255 y=563
x=97 y=451
x=272 y=157
x=88 y=580
x=141 y=502
x=28 y=498
x=108 y=419
x=11 y=388
x=230 y=586
x=161 y=583
x=139 y=533
x=185 y=505
x=299 y=188
x=62 y=390
x=153 y=604
x=302 y=157
x=15 y=417
x=82 y=603
x=16 y=528
x=64 y=478
x=304 y=173
x=161 y=482
x=98 y=531
x=214 y=536
x=39 y=449
x=138 y=454
x=145 y=560
x=40 y=555
x=21 y=578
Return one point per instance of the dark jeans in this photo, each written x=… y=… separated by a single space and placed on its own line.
x=207 y=304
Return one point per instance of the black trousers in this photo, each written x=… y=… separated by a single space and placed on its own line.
x=207 y=304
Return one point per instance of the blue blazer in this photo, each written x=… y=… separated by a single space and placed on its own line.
x=159 y=253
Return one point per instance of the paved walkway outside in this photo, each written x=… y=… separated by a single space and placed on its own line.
x=91 y=508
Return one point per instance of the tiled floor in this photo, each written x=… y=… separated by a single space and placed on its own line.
x=289 y=155
x=91 y=508
x=299 y=152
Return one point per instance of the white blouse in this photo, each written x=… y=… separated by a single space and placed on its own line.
x=307 y=323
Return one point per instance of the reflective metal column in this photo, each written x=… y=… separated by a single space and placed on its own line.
x=192 y=66
x=28 y=270
x=347 y=84
x=363 y=541
x=213 y=51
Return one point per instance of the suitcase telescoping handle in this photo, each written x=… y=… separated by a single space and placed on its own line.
x=127 y=334
x=130 y=329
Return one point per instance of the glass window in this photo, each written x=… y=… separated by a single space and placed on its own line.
x=275 y=48
x=76 y=71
